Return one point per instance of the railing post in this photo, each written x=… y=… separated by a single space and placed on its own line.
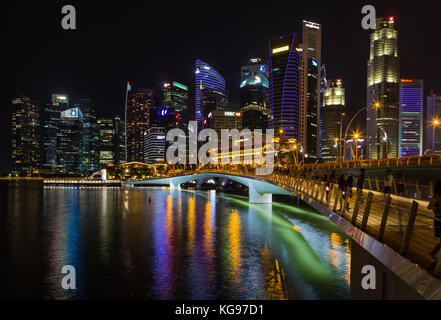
x=323 y=192
x=367 y=210
x=317 y=191
x=430 y=189
x=328 y=198
x=377 y=185
x=337 y=199
x=345 y=204
x=356 y=206
x=369 y=183
x=409 y=228
x=417 y=186
x=384 y=219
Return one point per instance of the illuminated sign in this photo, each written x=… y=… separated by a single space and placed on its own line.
x=229 y=114
x=314 y=63
x=71 y=114
x=180 y=85
x=406 y=80
x=167 y=85
x=285 y=48
x=60 y=98
x=312 y=25
x=162 y=112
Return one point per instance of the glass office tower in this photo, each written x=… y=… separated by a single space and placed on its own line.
x=283 y=93
x=210 y=92
x=411 y=118
x=253 y=94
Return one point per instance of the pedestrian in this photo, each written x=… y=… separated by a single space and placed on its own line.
x=400 y=183
x=388 y=181
x=435 y=205
x=349 y=185
x=343 y=188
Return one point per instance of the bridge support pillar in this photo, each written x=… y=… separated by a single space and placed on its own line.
x=174 y=186
x=255 y=197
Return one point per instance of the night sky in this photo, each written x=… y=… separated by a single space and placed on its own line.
x=149 y=42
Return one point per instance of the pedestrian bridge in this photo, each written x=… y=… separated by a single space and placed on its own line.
x=259 y=191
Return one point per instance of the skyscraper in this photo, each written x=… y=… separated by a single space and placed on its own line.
x=333 y=108
x=253 y=94
x=50 y=124
x=383 y=82
x=25 y=136
x=411 y=118
x=433 y=123
x=89 y=162
x=283 y=93
x=210 y=92
x=154 y=145
x=175 y=100
x=139 y=103
x=309 y=92
x=323 y=86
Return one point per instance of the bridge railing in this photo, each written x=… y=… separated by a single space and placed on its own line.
x=389 y=162
x=403 y=224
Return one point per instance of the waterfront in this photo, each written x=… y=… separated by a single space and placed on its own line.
x=180 y=245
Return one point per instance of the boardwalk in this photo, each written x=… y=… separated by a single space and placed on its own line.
x=403 y=224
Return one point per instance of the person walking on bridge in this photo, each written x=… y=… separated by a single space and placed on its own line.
x=388 y=181
x=435 y=205
x=343 y=188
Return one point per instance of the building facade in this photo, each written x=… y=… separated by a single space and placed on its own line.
x=210 y=92
x=433 y=123
x=411 y=118
x=323 y=86
x=333 y=110
x=283 y=93
x=155 y=145
x=175 y=100
x=253 y=95
x=383 y=83
x=309 y=88
x=218 y=120
x=25 y=136
x=139 y=103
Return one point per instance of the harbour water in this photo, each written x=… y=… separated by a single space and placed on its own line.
x=156 y=243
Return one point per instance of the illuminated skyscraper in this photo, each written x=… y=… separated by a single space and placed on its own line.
x=89 y=162
x=283 y=93
x=50 y=125
x=210 y=92
x=323 y=86
x=433 y=123
x=383 y=83
x=69 y=142
x=155 y=145
x=253 y=94
x=309 y=92
x=25 y=136
x=175 y=101
x=333 y=108
x=411 y=118
x=139 y=103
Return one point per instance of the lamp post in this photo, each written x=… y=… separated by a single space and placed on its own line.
x=356 y=137
x=435 y=123
x=376 y=106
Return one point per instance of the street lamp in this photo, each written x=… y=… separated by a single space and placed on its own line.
x=435 y=123
x=376 y=106
x=356 y=136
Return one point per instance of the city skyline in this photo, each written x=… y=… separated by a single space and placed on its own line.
x=354 y=88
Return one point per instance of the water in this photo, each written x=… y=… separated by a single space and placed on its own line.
x=181 y=245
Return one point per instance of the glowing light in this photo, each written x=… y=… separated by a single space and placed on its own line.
x=281 y=49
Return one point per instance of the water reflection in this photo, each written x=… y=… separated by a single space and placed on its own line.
x=180 y=245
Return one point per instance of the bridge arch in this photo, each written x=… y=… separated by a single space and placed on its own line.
x=258 y=191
